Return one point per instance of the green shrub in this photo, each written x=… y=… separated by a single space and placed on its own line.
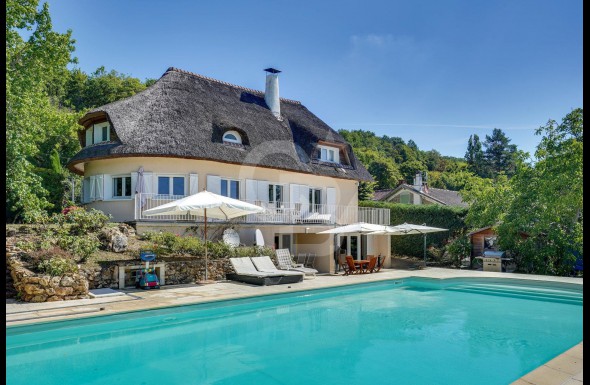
x=459 y=248
x=446 y=217
x=56 y=266
x=81 y=246
x=84 y=222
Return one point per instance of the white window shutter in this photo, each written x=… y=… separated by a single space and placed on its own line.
x=304 y=194
x=214 y=184
x=97 y=134
x=148 y=182
x=86 y=190
x=133 y=182
x=294 y=194
x=263 y=191
x=92 y=195
x=99 y=192
x=330 y=196
x=108 y=186
x=89 y=136
x=193 y=184
x=251 y=190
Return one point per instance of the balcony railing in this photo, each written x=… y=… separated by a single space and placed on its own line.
x=274 y=213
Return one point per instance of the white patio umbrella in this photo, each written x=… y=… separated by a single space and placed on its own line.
x=358 y=227
x=206 y=204
x=408 y=228
x=140 y=189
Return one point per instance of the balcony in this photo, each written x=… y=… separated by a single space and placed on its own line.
x=280 y=213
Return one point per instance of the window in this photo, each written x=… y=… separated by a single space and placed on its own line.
x=232 y=137
x=275 y=194
x=171 y=185
x=315 y=195
x=329 y=154
x=98 y=133
x=122 y=187
x=230 y=188
x=405 y=197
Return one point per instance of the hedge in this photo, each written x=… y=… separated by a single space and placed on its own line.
x=446 y=217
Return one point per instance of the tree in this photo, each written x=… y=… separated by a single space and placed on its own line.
x=538 y=213
x=385 y=173
x=35 y=73
x=500 y=156
x=366 y=190
x=475 y=156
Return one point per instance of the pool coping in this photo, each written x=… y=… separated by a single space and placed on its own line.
x=566 y=368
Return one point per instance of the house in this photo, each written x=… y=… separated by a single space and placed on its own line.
x=188 y=132
x=419 y=194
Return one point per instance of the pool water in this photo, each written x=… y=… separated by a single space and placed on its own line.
x=415 y=331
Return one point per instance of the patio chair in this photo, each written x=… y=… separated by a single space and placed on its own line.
x=352 y=269
x=342 y=263
x=310 y=260
x=246 y=272
x=380 y=262
x=265 y=264
x=285 y=262
x=372 y=264
x=301 y=257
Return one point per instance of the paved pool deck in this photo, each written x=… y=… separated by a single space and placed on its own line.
x=566 y=369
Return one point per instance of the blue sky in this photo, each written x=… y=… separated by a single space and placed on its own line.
x=428 y=70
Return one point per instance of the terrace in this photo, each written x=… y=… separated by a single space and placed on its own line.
x=280 y=213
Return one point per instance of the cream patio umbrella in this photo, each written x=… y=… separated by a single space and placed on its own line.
x=408 y=229
x=206 y=204
x=355 y=228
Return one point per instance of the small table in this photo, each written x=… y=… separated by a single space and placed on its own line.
x=362 y=264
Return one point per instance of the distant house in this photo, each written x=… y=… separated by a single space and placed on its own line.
x=419 y=194
x=188 y=132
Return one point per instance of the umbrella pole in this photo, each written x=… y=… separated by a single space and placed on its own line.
x=424 y=249
x=206 y=245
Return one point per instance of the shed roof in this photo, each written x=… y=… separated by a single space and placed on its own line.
x=442 y=196
x=184 y=115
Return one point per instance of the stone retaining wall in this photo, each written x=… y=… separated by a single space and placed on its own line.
x=33 y=287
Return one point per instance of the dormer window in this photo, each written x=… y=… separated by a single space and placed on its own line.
x=329 y=154
x=232 y=137
x=97 y=133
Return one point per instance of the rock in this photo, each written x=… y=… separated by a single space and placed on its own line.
x=10 y=232
x=63 y=291
x=126 y=229
x=67 y=281
x=32 y=289
x=54 y=298
x=113 y=239
x=37 y=298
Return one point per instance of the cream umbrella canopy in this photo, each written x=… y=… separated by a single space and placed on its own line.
x=408 y=228
x=358 y=228
x=206 y=204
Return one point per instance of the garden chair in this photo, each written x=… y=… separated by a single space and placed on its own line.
x=310 y=260
x=372 y=264
x=352 y=269
x=286 y=263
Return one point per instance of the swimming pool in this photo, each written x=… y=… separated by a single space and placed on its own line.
x=415 y=331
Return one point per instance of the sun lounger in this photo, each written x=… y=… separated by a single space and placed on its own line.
x=286 y=263
x=265 y=265
x=246 y=272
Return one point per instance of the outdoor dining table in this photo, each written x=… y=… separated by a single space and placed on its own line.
x=362 y=264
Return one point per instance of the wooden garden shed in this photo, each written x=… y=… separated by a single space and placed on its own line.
x=478 y=238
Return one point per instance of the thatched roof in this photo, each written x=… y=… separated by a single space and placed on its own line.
x=184 y=115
